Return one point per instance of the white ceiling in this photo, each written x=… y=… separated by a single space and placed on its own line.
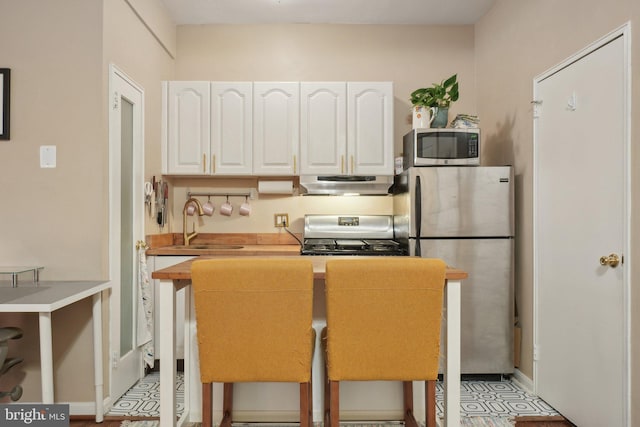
x=434 y=12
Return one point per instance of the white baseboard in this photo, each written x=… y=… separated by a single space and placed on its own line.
x=75 y=408
x=82 y=408
x=294 y=416
x=522 y=380
x=88 y=408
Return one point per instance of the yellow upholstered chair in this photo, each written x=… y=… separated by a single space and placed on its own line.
x=383 y=323
x=253 y=319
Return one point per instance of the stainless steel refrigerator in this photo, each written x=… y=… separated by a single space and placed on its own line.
x=464 y=215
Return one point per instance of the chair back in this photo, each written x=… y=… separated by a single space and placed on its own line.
x=253 y=319
x=383 y=318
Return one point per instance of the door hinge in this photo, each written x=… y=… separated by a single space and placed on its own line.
x=114 y=359
x=536 y=352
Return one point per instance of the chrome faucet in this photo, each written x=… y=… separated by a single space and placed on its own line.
x=188 y=236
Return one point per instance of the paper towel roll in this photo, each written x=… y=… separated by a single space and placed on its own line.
x=275 y=187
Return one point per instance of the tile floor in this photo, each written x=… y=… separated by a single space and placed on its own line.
x=478 y=398
x=496 y=399
x=143 y=399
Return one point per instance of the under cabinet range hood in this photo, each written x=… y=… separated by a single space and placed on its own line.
x=343 y=185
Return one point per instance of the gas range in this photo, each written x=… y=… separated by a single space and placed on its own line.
x=349 y=235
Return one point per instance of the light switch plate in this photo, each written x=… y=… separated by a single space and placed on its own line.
x=47 y=156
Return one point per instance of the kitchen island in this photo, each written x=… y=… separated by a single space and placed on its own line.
x=178 y=277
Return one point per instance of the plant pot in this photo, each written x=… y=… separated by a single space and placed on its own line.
x=441 y=117
x=422 y=117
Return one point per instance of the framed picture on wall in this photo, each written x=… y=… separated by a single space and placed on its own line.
x=5 y=85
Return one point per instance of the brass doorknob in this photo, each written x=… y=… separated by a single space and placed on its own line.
x=612 y=260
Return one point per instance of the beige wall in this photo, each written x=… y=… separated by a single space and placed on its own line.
x=515 y=42
x=136 y=51
x=59 y=53
x=410 y=56
x=53 y=217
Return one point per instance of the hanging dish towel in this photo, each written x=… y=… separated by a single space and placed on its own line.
x=145 y=309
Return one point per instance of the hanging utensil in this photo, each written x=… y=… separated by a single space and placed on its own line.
x=148 y=192
x=159 y=203
x=165 y=202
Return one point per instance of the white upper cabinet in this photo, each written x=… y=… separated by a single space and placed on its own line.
x=346 y=128
x=276 y=128
x=323 y=128
x=208 y=128
x=231 y=128
x=370 y=128
x=187 y=125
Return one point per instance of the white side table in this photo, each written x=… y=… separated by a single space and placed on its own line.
x=46 y=297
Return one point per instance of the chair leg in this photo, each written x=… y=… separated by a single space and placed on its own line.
x=207 y=410
x=305 y=392
x=334 y=404
x=407 y=392
x=227 y=405
x=430 y=403
x=310 y=400
x=327 y=397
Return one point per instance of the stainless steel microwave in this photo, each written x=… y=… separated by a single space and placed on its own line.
x=441 y=147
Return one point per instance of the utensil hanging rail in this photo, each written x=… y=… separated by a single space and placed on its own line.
x=250 y=193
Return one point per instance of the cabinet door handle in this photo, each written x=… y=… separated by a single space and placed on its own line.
x=213 y=163
x=294 y=164
x=204 y=163
x=342 y=164
x=352 y=171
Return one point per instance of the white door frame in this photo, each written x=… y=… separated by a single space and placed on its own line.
x=625 y=32
x=123 y=371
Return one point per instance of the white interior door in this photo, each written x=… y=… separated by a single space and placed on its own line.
x=126 y=225
x=580 y=214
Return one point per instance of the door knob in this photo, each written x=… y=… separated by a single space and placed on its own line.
x=612 y=260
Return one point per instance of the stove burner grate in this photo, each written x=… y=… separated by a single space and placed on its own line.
x=351 y=247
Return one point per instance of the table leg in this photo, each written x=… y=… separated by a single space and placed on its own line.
x=46 y=357
x=97 y=355
x=452 y=354
x=167 y=355
x=192 y=384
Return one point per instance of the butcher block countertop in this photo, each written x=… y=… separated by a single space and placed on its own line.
x=220 y=249
x=236 y=244
x=182 y=271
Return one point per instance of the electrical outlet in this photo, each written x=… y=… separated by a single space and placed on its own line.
x=281 y=220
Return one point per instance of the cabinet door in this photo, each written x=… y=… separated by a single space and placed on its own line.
x=187 y=128
x=276 y=128
x=323 y=128
x=231 y=128
x=370 y=128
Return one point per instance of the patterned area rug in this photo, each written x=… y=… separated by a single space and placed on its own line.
x=140 y=424
x=466 y=422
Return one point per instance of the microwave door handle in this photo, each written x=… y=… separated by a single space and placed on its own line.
x=418 y=213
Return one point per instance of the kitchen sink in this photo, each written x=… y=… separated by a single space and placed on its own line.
x=209 y=247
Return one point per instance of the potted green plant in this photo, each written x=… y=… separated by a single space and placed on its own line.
x=436 y=99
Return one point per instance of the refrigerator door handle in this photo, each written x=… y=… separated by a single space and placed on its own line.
x=418 y=214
